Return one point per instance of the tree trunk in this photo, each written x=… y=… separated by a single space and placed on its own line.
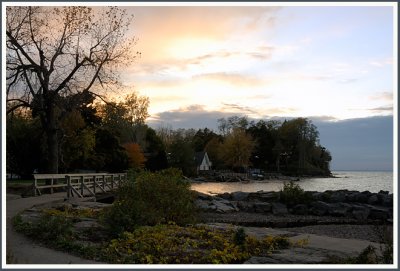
x=52 y=139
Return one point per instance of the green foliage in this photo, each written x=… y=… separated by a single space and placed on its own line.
x=293 y=194
x=51 y=229
x=239 y=237
x=150 y=199
x=159 y=244
x=171 y=244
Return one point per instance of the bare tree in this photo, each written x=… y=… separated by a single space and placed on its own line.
x=57 y=52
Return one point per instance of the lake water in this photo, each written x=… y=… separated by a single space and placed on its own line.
x=373 y=181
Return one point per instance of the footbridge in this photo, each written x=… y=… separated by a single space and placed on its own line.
x=78 y=184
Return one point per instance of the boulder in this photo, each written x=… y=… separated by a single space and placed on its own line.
x=317 y=196
x=262 y=207
x=300 y=209
x=245 y=206
x=319 y=208
x=264 y=196
x=338 y=196
x=385 y=199
x=239 y=196
x=205 y=205
x=269 y=196
x=340 y=209
x=218 y=205
x=279 y=209
x=379 y=213
x=225 y=195
x=360 y=212
x=373 y=199
x=203 y=196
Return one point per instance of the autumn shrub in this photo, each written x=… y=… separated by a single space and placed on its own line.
x=149 y=199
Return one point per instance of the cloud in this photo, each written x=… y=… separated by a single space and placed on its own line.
x=385 y=96
x=382 y=109
x=238 y=108
x=348 y=80
x=381 y=62
x=236 y=79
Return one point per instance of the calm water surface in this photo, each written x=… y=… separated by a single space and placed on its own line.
x=373 y=181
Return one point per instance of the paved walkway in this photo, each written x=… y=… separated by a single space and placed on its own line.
x=22 y=250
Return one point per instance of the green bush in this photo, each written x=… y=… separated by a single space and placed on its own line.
x=150 y=199
x=293 y=194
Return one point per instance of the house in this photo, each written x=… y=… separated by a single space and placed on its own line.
x=202 y=161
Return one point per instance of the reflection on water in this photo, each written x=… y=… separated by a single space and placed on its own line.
x=373 y=181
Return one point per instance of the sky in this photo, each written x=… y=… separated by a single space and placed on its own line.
x=335 y=62
x=331 y=64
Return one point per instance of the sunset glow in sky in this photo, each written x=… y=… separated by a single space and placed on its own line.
x=327 y=61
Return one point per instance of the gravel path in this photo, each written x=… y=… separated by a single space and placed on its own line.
x=362 y=232
x=339 y=227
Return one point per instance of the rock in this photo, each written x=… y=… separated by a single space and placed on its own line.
x=385 y=199
x=319 y=208
x=383 y=192
x=269 y=196
x=360 y=212
x=379 y=213
x=262 y=207
x=225 y=195
x=338 y=196
x=87 y=224
x=317 y=196
x=224 y=206
x=300 y=209
x=291 y=256
x=264 y=196
x=246 y=206
x=203 y=196
x=340 y=209
x=205 y=205
x=279 y=209
x=373 y=199
x=239 y=196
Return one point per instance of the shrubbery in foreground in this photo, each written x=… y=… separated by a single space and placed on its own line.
x=149 y=198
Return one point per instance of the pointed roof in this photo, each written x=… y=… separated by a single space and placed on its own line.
x=198 y=157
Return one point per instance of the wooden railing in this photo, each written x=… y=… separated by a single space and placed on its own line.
x=81 y=185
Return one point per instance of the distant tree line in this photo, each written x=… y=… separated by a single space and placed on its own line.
x=291 y=147
x=113 y=137
x=94 y=136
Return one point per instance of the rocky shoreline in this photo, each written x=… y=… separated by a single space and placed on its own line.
x=329 y=207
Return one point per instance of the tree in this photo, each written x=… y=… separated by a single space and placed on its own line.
x=23 y=139
x=126 y=119
x=226 y=126
x=237 y=149
x=181 y=152
x=265 y=135
x=299 y=137
x=55 y=52
x=135 y=155
x=155 y=151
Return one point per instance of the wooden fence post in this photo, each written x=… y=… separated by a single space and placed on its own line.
x=81 y=185
x=51 y=188
x=94 y=184
x=68 y=186
x=35 y=186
